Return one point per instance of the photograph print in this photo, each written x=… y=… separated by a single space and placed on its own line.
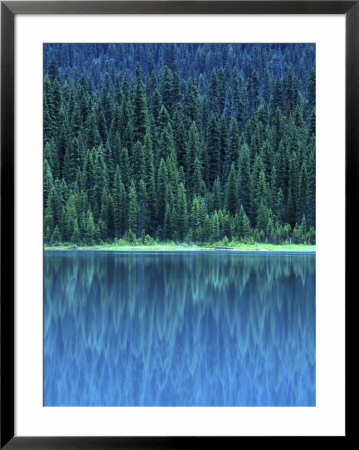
x=179 y=224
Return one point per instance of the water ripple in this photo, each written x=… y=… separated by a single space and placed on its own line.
x=197 y=329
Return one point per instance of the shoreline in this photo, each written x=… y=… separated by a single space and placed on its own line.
x=272 y=248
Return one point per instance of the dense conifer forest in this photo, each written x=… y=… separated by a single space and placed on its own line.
x=190 y=143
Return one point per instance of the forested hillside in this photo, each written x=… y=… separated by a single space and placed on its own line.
x=179 y=142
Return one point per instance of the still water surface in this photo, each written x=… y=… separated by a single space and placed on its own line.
x=179 y=329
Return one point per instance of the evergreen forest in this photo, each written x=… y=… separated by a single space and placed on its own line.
x=182 y=143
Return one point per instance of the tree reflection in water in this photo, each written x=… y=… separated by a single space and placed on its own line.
x=179 y=329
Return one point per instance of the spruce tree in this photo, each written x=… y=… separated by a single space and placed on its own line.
x=149 y=178
x=76 y=237
x=215 y=227
x=244 y=177
x=132 y=209
x=56 y=237
x=135 y=136
x=162 y=181
x=181 y=222
x=138 y=163
x=231 y=198
x=89 y=233
x=139 y=109
x=195 y=219
x=213 y=149
x=119 y=204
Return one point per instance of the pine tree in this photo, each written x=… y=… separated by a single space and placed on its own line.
x=139 y=109
x=49 y=110
x=213 y=149
x=181 y=222
x=69 y=217
x=246 y=227
x=138 y=163
x=161 y=191
x=76 y=238
x=244 y=178
x=132 y=209
x=261 y=219
x=101 y=124
x=124 y=163
x=167 y=226
x=277 y=97
x=48 y=181
x=167 y=89
x=213 y=92
x=223 y=146
x=280 y=207
x=156 y=105
x=126 y=126
x=194 y=106
x=166 y=144
x=196 y=180
x=104 y=213
x=311 y=190
x=180 y=136
x=258 y=188
x=215 y=227
x=272 y=188
x=149 y=178
x=120 y=204
x=89 y=233
x=143 y=214
x=233 y=148
x=204 y=144
x=206 y=234
x=195 y=219
x=293 y=200
x=311 y=89
x=56 y=237
x=302 y=206
x=267 y=157
x=92 y=134
x=53 y=69
x=48 y=222
x=193 y=157
x=231 y=198
x=217 y=194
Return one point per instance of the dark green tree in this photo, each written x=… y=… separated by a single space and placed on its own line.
x=231 y=197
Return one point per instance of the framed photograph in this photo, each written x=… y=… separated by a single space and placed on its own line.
x=177 y=180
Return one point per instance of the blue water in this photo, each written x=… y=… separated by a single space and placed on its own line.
x=179 y=329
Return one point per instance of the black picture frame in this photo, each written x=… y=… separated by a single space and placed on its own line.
x=9 y=9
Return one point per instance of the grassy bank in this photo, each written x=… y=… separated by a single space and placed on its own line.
x=239 y=247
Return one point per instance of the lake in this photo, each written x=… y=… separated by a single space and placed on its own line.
x=179 y=329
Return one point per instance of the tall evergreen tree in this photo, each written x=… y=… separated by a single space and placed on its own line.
x=181 y=222
x=179 y=142
x=132 y=209
x=231 y=204
x=139 y=109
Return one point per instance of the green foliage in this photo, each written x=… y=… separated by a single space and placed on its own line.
x=133 y=210
x=231 y=198
x=56 y=237
x=179 y=143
